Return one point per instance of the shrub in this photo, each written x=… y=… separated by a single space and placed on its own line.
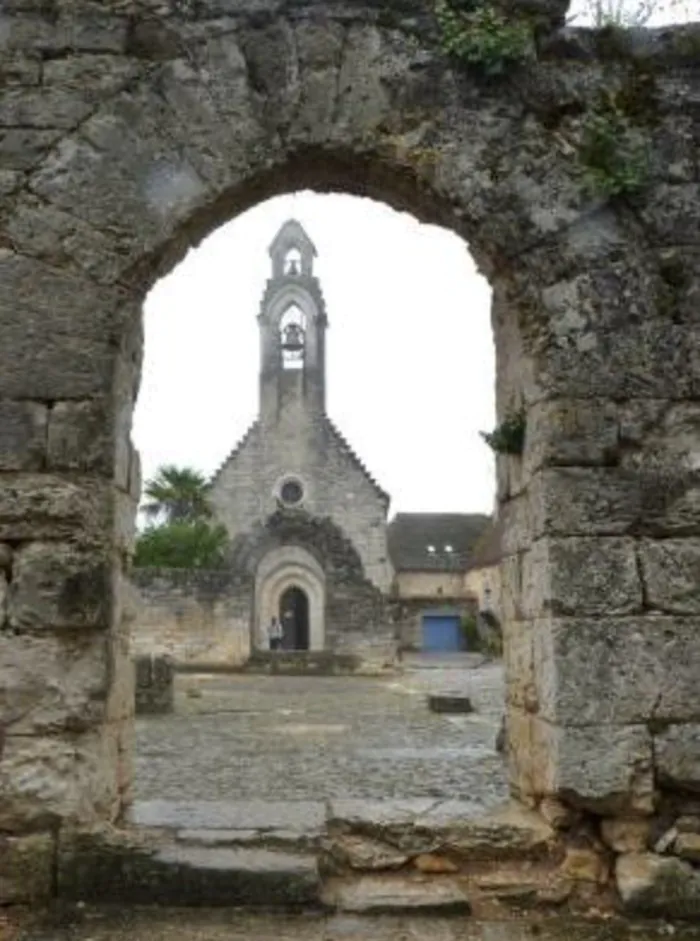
x=509 y=436
x=484 y=37
x=182 y=545
x=613 y=153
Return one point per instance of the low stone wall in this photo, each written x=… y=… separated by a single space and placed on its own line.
x=155 y=689
x=191 y=616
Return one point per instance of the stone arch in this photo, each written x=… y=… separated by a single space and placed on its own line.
x=281 y=568
x=194 y=119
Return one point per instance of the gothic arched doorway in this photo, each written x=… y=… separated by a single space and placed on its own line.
x=294 y=617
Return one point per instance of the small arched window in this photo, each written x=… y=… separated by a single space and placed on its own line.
x=292 y=262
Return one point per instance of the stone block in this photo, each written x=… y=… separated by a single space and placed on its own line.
x=626 y=835
x=511 y=587
x=5 y=559
x=581 y=576
x=47 y=506
x=3 y=599
x=658 y=886
x=303 y=818
x=637 y=669
x=125 y=531
x=671 y=574
x=80 y=436
x=22 y=435
x=521 y=690
x=50 y=685
x=50 y=780
x=135 y=480
x=155 y=689
x=364 y=854
x=120 y=176
x=523 y=746
x=584 y=501
x=677 y=756
x=26 y=867
x=584 y=864
x=122 y=691
x=452 y=703
x=61 y=339
x=516 y=521
x=57 y=586
x=606 y=770
x=399 y=895
x=687 y=846
x=118 y=867
x=650 y=358
x=571 y=432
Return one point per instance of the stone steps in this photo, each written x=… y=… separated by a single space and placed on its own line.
x=118 y=870
x=422 y=856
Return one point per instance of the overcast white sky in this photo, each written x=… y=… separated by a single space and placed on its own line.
x=410 y=357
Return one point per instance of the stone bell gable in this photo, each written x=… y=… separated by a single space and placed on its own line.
x=293 y=455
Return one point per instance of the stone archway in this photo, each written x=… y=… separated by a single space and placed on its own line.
x=281 y=569
x=196 y=115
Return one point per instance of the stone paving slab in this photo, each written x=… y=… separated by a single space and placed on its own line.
x=301 y=817
x=378 y=813
x=397 y=894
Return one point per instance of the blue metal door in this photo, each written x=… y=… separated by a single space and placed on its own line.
x=441 y=632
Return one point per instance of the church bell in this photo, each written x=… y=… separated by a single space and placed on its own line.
x=293 y=338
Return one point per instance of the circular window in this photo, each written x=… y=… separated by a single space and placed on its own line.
x=291 y=492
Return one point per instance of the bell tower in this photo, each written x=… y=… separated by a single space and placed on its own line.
x=292 y=332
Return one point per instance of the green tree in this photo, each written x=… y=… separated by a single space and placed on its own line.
x=176 y=495
x=188 y=545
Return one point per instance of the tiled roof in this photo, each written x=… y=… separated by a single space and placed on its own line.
x=434 y=542
x=487 y=550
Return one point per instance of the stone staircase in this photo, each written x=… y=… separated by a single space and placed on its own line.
x=417 y=856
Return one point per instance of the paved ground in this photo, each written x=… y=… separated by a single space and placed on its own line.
x=300 y=738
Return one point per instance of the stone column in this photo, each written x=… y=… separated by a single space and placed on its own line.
x=601 y=550
x=66 y=697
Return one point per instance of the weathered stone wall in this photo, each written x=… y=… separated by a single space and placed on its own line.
x=192 y=616
x=429 y=584
x=128 y=130
x=484 y=584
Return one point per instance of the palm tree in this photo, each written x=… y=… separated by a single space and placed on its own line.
x=177 y=495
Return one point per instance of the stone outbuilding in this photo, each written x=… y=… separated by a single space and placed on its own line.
x=307 y=521
x=430 y=553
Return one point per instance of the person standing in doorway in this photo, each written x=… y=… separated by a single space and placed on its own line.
x=274 y=634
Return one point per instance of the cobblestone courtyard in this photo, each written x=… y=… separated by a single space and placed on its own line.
x=298 y=738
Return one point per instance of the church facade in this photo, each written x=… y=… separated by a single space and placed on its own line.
x=309 y=540
x=307 y=522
